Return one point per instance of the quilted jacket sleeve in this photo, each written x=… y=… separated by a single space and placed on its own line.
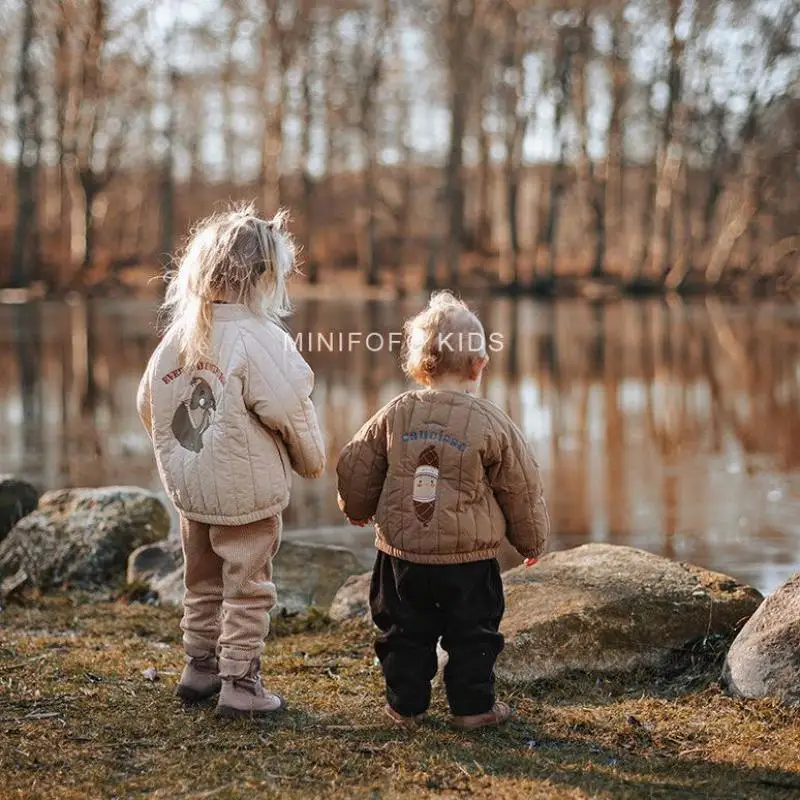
x=362 y=467
x=514 y=477
x=143 y=399
x=277 y=389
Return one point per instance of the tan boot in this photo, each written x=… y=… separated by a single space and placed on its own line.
x=496 y=715
x=200 y=679
x=246 y=696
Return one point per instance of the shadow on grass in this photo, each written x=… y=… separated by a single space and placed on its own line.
x=78 y=719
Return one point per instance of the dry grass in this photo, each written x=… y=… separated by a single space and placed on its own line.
x=78 y=719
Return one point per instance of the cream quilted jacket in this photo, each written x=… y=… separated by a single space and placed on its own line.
x=446 y=475
x=227 y=433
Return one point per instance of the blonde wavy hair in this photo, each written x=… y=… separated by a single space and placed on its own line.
x=446 y=338
x=231 y=257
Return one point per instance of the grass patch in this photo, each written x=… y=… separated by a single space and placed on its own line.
x=78 y=719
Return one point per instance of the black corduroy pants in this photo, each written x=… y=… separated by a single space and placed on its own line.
x=415 y=604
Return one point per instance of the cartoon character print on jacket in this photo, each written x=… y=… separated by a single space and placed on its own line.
x=426 y=478
x=194 y=415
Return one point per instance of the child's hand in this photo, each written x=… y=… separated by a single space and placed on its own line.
x=360 y=523
x=529 y=562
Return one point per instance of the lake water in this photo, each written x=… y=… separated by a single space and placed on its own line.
x=672 y=427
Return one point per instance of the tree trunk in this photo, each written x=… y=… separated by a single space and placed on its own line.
x=62 y=67
x=614 y=188
x=483 y=219
x=281 y=39
x=671 y=153
x=84 y=184
x=590 y=188
x=309 y=184
x=90 y=193
x=549 y=235
x=681 y=233
x=228 y=116
x=513 y=170
x=460 y=14
x=167 y=188
x=370 y=256
x=28 y=107
x=516 y=121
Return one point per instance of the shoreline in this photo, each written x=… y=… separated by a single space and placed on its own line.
x=560 y=287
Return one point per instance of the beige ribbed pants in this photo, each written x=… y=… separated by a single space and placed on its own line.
x=229 y=590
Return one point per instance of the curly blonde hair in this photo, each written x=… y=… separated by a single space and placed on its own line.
x=446 y=338
x=232 y=257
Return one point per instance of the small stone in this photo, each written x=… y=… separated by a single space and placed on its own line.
x=150 y=674
x=352 y=599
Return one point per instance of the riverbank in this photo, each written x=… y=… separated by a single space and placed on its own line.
x=478 y=279
x=79 y=719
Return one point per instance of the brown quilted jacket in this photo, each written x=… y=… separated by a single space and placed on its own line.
x=446 y=475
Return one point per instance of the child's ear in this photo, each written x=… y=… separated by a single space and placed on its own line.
x=477 y=366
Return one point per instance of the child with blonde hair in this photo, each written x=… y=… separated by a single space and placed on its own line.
x=226 y=401
x=446 y=475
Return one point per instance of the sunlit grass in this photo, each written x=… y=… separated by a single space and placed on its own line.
x=78 y=719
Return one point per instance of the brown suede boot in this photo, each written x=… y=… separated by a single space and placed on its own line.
x=246 y=696
x=496 y=715
x=200 y=679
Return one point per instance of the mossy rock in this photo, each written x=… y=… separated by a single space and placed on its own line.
x=82 y=537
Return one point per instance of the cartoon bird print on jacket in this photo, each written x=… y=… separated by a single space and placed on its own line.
x=426 y=478
x=193 y=416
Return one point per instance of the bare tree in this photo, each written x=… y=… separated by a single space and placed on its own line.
x=368 y=65
x=517 y=117
x=99 y=111
x=566 y=44
x=590 y=188
x=460 y=16
x=29 y=145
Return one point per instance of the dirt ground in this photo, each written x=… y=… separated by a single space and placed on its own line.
x=79 y=719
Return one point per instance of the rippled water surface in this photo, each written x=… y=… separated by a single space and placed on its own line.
x=670 y=427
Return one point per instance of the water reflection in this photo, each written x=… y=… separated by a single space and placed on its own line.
x=666 y=426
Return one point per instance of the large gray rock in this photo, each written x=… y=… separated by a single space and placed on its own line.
x=599 y=608
x=604 y=608
x=311 y=574
x=81 y=537
x=17 y=499
x=359 y=541
x=305 y=574
x=764 y=659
